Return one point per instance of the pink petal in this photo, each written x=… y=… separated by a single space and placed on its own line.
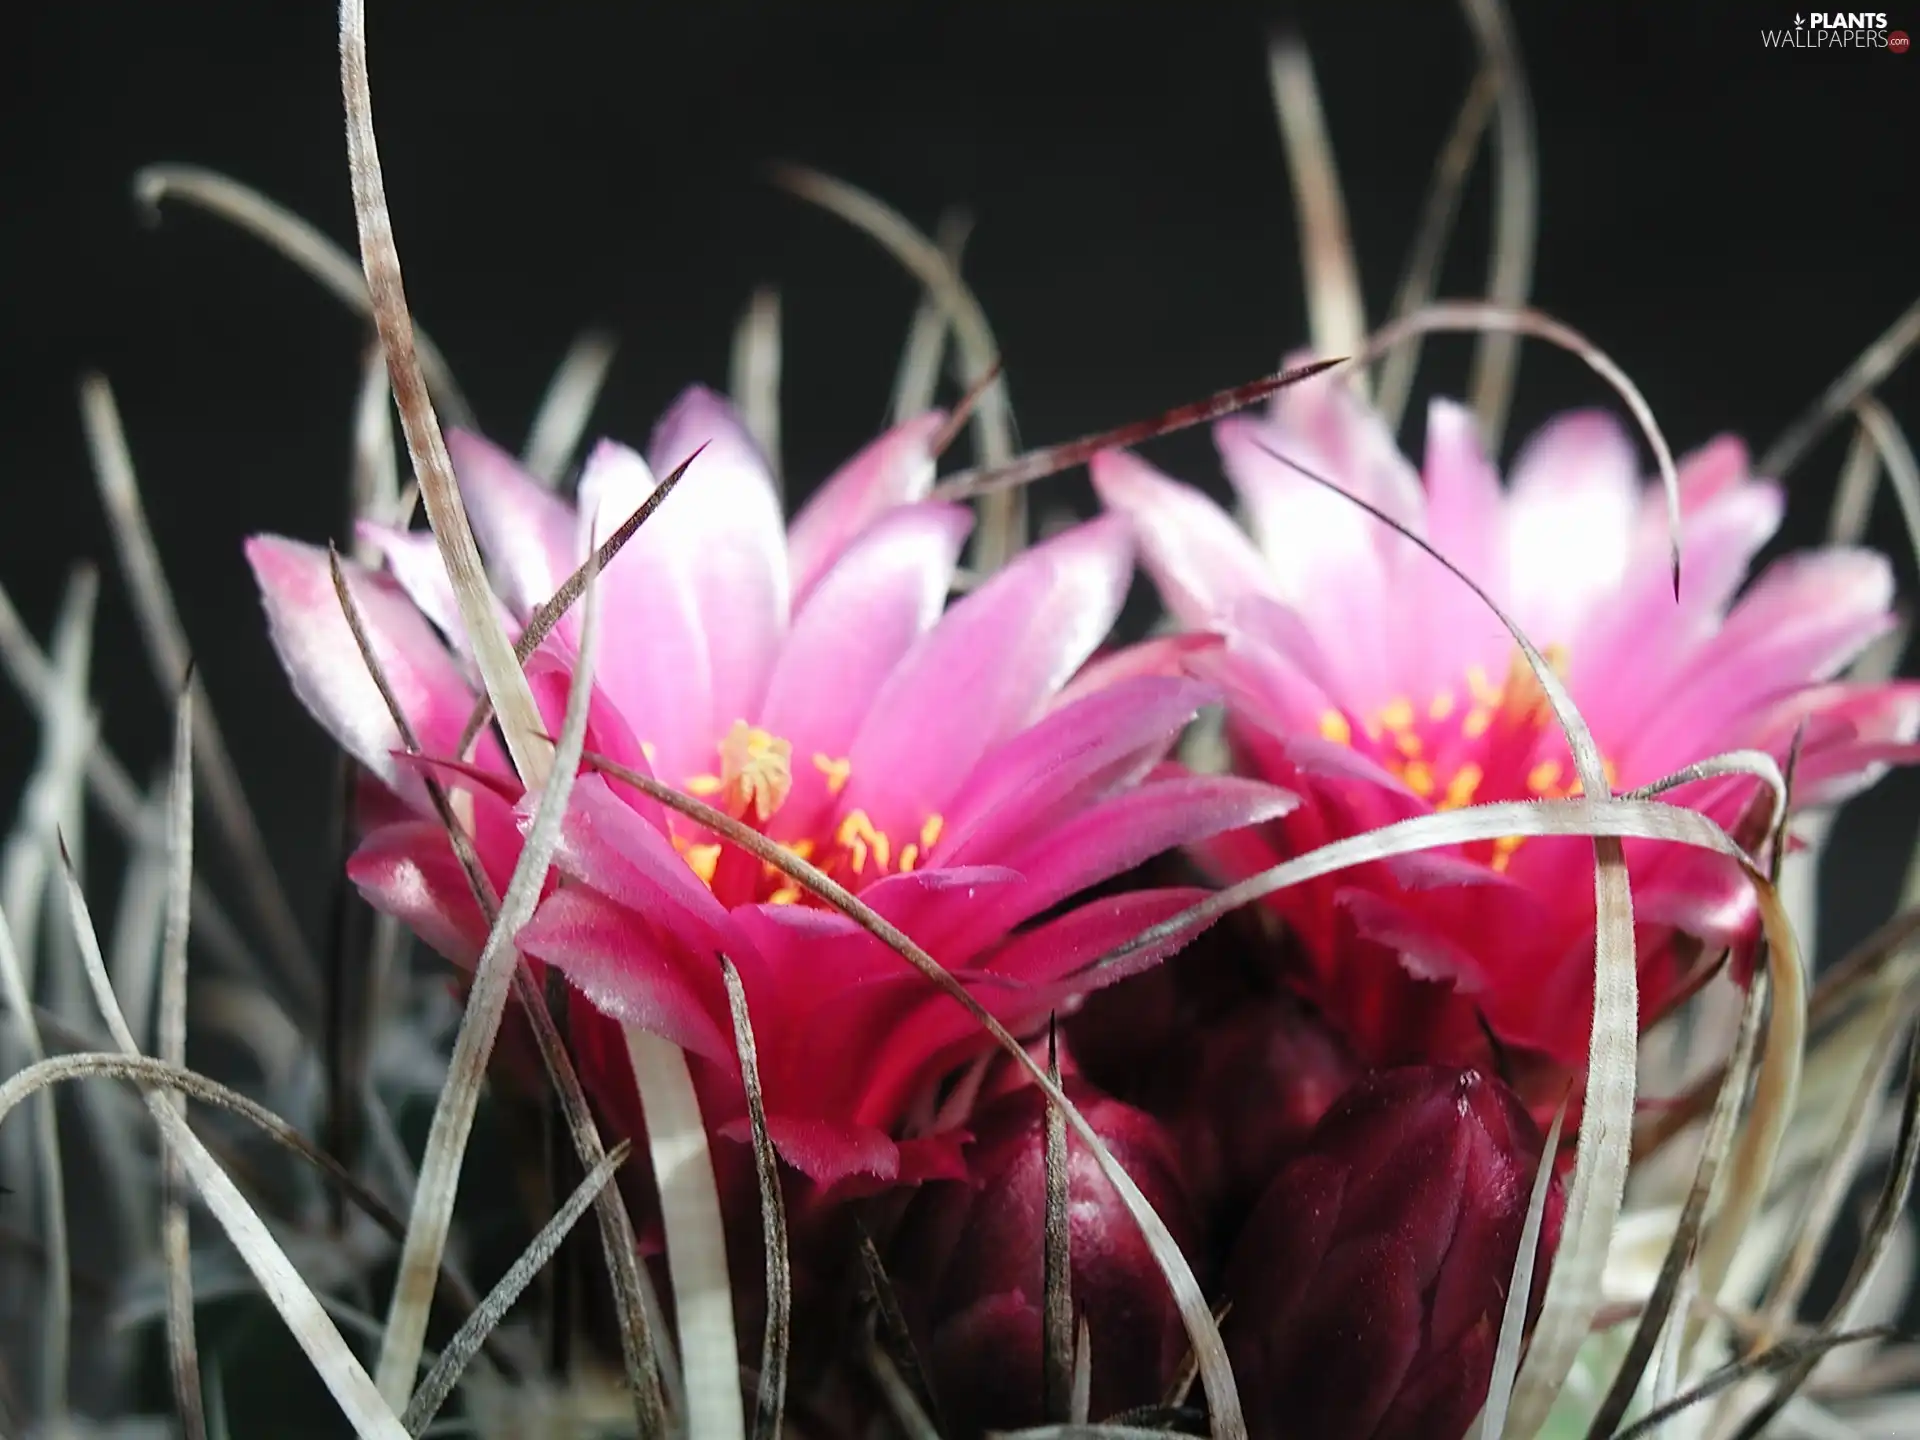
x=896 y=469
x=653 y=640
x=318 y=650
x=1163 y=655
x=1115 y=835
x=1201 y=562
x=409 y=871
x=606 y=845
x=630 y=970
x=986 y=670
x=1570 y=523
x=413 y=559
x=1359 y=452
x=828 y=1152
x=726 y=516
x=530 y=536
x=867 y=612
x=1054 y=767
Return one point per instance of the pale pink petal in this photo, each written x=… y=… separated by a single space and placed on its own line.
x=1071 y=756
x=653 y=638
x=896 y=469
x=529 y=535
x=317 y=648
x=1350 y=437
x=1570 y=523
x=1323 y=552
x=1201 y=562
x=1715 y=468
x=1804 y=618
x=630 y=970
x=726 y=518
x=1853 y=732
x=413 y=559
x=986 y=670
x=1464 y=523
x=867 y=611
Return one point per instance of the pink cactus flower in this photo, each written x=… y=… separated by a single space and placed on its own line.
x=1363 y=675
x=969 y=1261
x=1369 y=1285
x=812 y=682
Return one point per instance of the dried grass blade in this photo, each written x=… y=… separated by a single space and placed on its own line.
x=1516 y=211
x=1887 y=1212
x=298 y=241
x=467 y=1342
x=373 y=490
x=33 y=674
x=1836 y=1177
x=440 y=1166
x=891 y=1323
x=1057 y=1369
x=647 y=1359
x=540 y=624
x=1051 y=460
x=506 y=686
x=1896 y=454
x=1680 y=1250
x=1513 y=1318
x=1217 y=1377
x=299 y=1307
x=1429 y=248
x=1002 y=521
x=1476 y=315
x=753 y=377
x=1080 y=1402
x=57 y=1318
x=918 y=378
x=167 y=648
x=906 y=1407
x=1780 y=1357
x=1872 y=366
x=770 y=1403
x=1852 y=504
x=1336 y=313
x=695 y=1235
x=183 y=1351
x=567 y=406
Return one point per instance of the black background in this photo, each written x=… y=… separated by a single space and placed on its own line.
x=1732 y=224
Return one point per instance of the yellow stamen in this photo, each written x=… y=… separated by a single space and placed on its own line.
x=1419 y=778
x=838 y=772
x=858 y=837
x=704 y=860
x=785 y=895
x=1480 y=687
x=1503 y=849
x=1407 y=743
x=930 y=832
x=1334 y=727
x=756 y=771
x=909 y=855
x=1460 y=789
x=1543 y=777
x=703 y=785
x=1397 y=715
x=1476 y=723
x=647 y=749
x=1441 y=706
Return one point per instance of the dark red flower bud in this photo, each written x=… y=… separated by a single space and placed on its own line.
x=969 y=1260
x=1369 y=1283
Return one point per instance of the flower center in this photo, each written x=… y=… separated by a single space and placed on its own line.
x=753 y=782
x=1482 y=742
